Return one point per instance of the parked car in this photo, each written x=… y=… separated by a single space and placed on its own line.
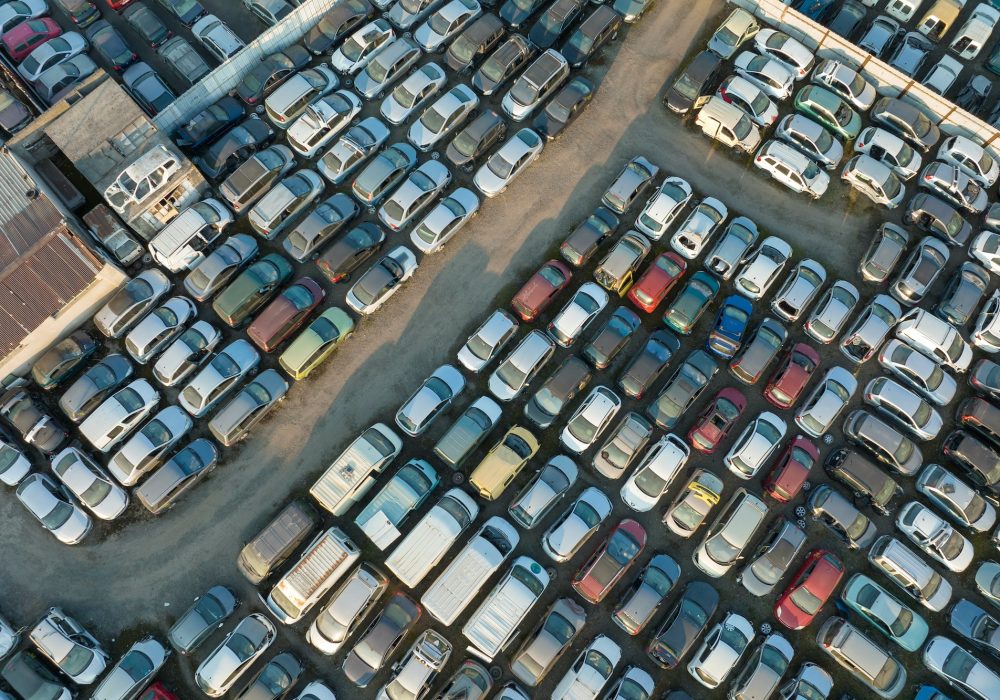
x=610 y=561
x=789 y=474
x=716 y=420
x=832 y=508
x=730 y=534
x=721 y=650
x=382 y=280
x=693 y=503
x=69 y=646
x=382 y=637
x=54 y=508
x=809 y=590
x=559 y=627
x=186 y=468
x=549 y=485
x=244 y=644
x=130 y=675
x=682 y=389
x=683 y=625
x=773 y=558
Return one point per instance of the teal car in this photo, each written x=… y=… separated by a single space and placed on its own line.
x=879 y=607
x=829 y=110
x=253 y=288
x=688 y=306
x=316 y=343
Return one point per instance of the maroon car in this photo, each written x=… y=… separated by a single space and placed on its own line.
x=786 y=478
x=541 y=289
x=610 y=562
x=715 y=421
x=286 y=313
x=980 y=415
x=792 y=376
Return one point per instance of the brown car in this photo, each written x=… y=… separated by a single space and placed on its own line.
x=569 y=379
x=477 y=40
x=982 y=416
x=539 y=291
x=350 y=251
x=979 y=459
x=286 y=313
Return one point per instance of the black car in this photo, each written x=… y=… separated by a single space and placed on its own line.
x=476 y=139
x=336 y=24
x=29 y=677
x=554 y=22
x=350 y=251
x=516 y=13
x=238 y=144
x=685 y=622
x=146 y=24
x=848 y=20
x=110 y=45
x=972 y=98
x=599 y=28
x=274 y=680
x=475 y=41
x=502 y=64
x=698 y=81
x=612 y=338
x=29 y=417
x=564 y=108
x=270 y=73
x=94 y=385
x=83 y=12
x=562 y=386
x=648 y=364
x=588 y=236
x=209 y=123
x=187 y=11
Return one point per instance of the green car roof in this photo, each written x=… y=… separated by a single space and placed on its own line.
x=332 y=325
x=271 y=268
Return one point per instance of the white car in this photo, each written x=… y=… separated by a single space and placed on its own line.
x=986 y=334
x=956 y=499
x=188 y=352
x=244 y=644
x=315 y=690
x=9 y=638
x=134 y=671
x=949 y=182
x=574 y=527
x=751 y=99
x=934 y=536
x=114 y=419
x=826 y=402
x=446 y=23
x=890 y=150
x=721 y=650
x=421 y=187
x=936 y=338
x=971 y=158
x=217 y=37
x=986 y=249
x=362 y=46
x=490 y=338
x=507 y=162
x=54 y=508
x=149 y=446
x=783 y=48
x=590 y=672
x=962 y=670
x=756 y=445
x=943 y=75
x=763 y=267
x=413 y=93
x=591 y=418
x=431 y=398
x=88 y=481
x=812 y=139
x=382 y=280
x=704 y=220
x=546 y=488
x=875 y=180
x=159 y=328
x=799 y=290
x=69 y=646
x=53 y=51
x=654 y=475
x=771 y=76
x=358 y=143
x=14 y=465
x=586 y=304
x=445 y=220
x=322 y=120
x=969 y=40
x=845 y=82
x=442 y=117
x=918 y=371
x=897 y=401
x=227 y=369
x=832 y=311
x=663 y=207
x=792 y=169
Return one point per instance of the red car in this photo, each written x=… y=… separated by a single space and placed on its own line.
x=157 y=692
x=119 y=5
x=715 y=421
x=286 y=313
x=610 y=562
x=792 y=375
x=657 y=279
x=541 y=289
x=786 y=477
x=810 y=589
x=28 y=36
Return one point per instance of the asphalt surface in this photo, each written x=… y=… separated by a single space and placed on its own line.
x=138 y=576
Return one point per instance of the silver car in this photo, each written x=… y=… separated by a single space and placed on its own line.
x=545 y=489
x=920 y=271
x=799 y=290
x=213 y=272
x=773 y=558
x=232 y=423
x=845 y=82
x=362 y=46
x=220 y=376
x=445 y=220
x=91 y=485
x=178 y=474
x=812 y=139
x=94 y=385
x=919 y=372
x=956 y=499
x=244 y=644
x=763 y=267
x=356 y=145
x=413 y=93
x=442 y=117
x=884 y=441
x=488 y=340
x=900 y=403
x=131 y=302
x=960 y=669
x=541 y=649
x=421 y=187
x=521 y=365
x=826 y=402
x=949 y=182
x=158 y=328
x=875 y=180
x=764 y=669
x=54 y=508
x=433 y=396
x=69 y=646
x=870 y=329
x=387 y=65
x=508 y=161
x=191 y=349
x=120 y=413
x=133 y=672
x=832 y=311
x=731 y=249
x=146 y=449
x=890 y=150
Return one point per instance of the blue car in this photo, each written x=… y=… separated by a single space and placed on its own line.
x=730 y=326
x=929 y=692
x=816 y=10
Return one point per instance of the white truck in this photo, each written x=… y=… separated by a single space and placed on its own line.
x=469 y=571
x=324 y=562
x=353 y=473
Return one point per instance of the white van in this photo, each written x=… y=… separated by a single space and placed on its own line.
x=903 y=10
x=324 y=562
x=143 y=179
x=911 y=573
x=494 y=625
x=728 y=124
x=422 y=549
x=470 y=569
x=353 y=473
x=182 y=243
x=970 y=39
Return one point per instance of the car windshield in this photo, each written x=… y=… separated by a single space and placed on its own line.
x=433 y=120
x=465 y=143
x=582 y=429
x=734 y=638
x=240 y=646
x=136 y=664
x=600 y=663
x=649 y=483
x=56 y=517
x=511 y=375
x=687 y=87
x=955 y=347
x=95 y=493
x=499 y=166
x=8 y=455
x=693 y=612
x=559 y=627
x=77 y=660
x=922 y=414
x=726 y=36
x=687 y=516
x=376 y=70
x=760 y=103
x=552 y=275
x=590 y=517
x=494 y=69
x=722 y=550
x=352 y=49
x=658 y=581
x=129 y=399
x=440 y=24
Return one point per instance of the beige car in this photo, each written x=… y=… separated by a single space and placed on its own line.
x=504 y=462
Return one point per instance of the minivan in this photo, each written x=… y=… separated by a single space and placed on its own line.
x=293 y=96
x=279 y=538
x=255 y=176
x=728 y=124
x=182 y=243
x=864 y=476
x=911 y=573
x=865 y=659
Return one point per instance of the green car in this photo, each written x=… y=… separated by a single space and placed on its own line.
x=316 y=343
x=829 y=110
x=688 y=306
x=252 y=289
x=879 y=607
x=63 y=360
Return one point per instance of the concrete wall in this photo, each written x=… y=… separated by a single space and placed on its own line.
x=887 y=80
x=225 y=77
